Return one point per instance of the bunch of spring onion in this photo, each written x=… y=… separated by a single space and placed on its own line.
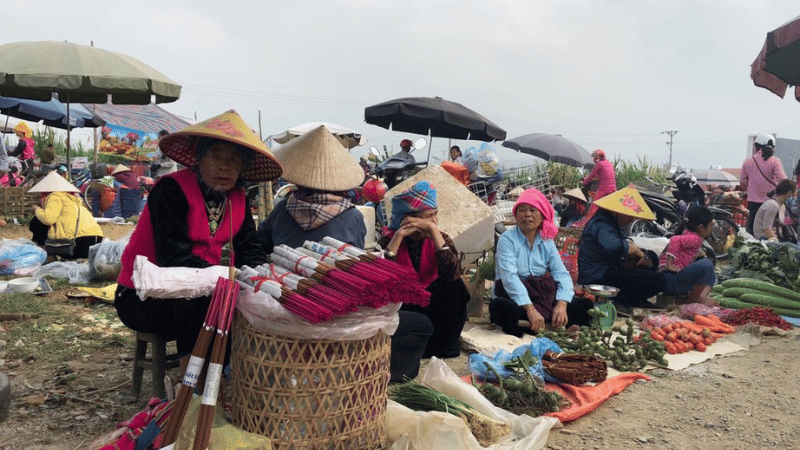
x=415 y=396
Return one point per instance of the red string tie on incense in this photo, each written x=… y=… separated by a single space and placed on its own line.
x=309 y=289
x=372 y=292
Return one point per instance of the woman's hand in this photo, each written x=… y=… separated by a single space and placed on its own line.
x=536 y=319
x=635 y=253
x=560 y=314
x=34 y=208
x=426 y=227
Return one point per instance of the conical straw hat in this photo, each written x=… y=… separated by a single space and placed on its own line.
x=23 y=128
x=120 y=168
x=228 y=126
x=575 y=193
x=317 y=160
x=626 y=201
x=53 y=182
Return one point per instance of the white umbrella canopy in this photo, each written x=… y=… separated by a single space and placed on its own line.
x=347 y=137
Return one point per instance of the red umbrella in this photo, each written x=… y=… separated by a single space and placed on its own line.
x=776 y=66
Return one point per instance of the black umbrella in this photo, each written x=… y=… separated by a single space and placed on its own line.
x=551 y=147
x=776 y=66
x=436 y=117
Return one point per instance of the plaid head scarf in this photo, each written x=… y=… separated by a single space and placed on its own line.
x=312 y=209
x=420 y=197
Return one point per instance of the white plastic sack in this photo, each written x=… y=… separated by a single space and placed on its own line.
x=77 y=273
x=174 y=282
x=656 y=244
x=107 y=252
x=409 y=430
x=265 y=313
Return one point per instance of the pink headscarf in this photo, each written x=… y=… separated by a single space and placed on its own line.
x=533 y=197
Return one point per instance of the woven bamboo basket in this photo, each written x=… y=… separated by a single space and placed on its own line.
x=310 y=394
x=567 y=241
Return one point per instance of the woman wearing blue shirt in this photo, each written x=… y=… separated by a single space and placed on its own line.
x=531 y=282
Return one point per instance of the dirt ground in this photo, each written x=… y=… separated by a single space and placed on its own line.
x=747 y=401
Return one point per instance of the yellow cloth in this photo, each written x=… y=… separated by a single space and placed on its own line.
x=60 y=212
x=105 y=294
x=224 y=436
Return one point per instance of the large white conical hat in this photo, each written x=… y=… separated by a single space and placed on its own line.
x=53 y=182
x=317 y=160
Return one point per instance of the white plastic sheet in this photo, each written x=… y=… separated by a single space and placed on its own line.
x=174 y=282
x=410 y=430
x=76 y=272
x=265 y=313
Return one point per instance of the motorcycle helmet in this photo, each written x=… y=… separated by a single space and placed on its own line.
x=765 y=140
x=374 y=190
x=599 y=154
x=406 y=143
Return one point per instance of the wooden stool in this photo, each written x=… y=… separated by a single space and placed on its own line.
x=159 y=361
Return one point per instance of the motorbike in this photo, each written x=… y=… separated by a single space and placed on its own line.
x=669 y=212
x=396 y=169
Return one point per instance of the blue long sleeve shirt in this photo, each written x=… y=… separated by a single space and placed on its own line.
x=604 y=246
x=516 y=259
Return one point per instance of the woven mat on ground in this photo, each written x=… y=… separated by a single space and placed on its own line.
x=489 y=339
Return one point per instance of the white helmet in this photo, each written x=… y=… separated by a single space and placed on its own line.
x=765 y=140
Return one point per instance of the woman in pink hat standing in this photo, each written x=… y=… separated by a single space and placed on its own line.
x=531 y=282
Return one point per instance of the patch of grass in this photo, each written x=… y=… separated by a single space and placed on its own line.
x=60 y=329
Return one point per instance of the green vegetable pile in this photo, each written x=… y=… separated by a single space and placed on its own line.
x=626 y=352
x=776 y=263
x=743 y=293
x=521 y=393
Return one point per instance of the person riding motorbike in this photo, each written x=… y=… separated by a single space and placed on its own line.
x=401 y=165
x=405 y=150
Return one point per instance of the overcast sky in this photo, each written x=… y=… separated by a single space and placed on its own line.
x=611 y=75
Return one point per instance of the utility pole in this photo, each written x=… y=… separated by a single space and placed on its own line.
x=669 y=144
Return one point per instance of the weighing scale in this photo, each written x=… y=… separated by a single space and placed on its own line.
x=603 y=294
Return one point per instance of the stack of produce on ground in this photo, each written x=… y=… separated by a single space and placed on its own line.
x=680 y=336
x=776 y=263
x=415 y=396
x=619 y=345
x=743 y=293
x=758 y=315
x=521 y=392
